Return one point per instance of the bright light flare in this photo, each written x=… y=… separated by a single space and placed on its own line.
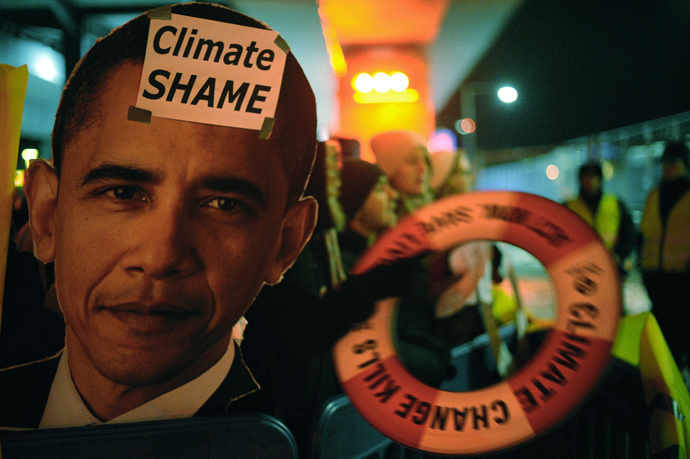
x=507 y=94
x=363 y=83
x=29 y=153
x=399 y=82
x=45 y=68
x=19 y=178
x=382 y=82
x=442 y=140
x=383 y=88
x=375 y=97
x=465 y=126
x=552 y=172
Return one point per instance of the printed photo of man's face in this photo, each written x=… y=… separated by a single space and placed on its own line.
x=163 y=230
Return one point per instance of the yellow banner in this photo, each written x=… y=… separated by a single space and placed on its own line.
x=667 y=396
x=13 y=82
x=640 y=342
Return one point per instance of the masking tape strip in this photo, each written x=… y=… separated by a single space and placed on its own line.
x=267 y=128
x=282 y=44
x=139 y=114
x=162 y=12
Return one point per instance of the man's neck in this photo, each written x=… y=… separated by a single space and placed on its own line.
x=107 y=399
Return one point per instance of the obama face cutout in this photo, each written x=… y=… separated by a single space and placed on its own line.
x=162 y=235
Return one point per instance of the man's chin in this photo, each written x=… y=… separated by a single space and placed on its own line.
x=144 y=368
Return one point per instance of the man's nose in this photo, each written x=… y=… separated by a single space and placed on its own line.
x=166 y=243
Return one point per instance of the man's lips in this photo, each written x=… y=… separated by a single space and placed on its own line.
x=157 y=308
x=149 y=317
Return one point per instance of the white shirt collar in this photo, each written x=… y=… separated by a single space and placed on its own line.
x=65 y=408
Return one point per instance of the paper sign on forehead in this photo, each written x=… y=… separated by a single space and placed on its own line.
x=211 y=72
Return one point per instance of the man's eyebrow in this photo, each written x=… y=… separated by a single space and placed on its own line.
x=117 y=172
x=222 y=184
x=234 y=184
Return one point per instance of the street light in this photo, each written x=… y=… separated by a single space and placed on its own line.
x=507 y=94
x=468 y=111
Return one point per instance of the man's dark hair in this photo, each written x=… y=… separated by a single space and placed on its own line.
x=674 y=151
x=591 y=168
x=295 y=117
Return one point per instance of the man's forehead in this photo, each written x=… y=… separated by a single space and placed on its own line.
x=113 y=137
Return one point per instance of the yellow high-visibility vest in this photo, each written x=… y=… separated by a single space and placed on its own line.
x=607 y=219
x=665 y=248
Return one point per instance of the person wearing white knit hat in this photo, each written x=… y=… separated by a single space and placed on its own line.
x=404 y=158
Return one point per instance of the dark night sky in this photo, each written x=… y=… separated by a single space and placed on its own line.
x=581 y=67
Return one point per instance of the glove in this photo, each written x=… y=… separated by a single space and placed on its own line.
x=353 y=301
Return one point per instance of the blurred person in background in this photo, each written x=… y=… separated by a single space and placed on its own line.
x=347 y=147
x=369 y=202
x=451 y=173
x=462 y=275
x=665 y=251
x=607 y=214
x=404 y=158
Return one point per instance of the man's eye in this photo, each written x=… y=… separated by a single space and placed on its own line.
x=123 y=192
x=225 y=204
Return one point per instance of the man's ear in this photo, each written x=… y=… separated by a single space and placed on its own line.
x=41 y=189
x=298 y=225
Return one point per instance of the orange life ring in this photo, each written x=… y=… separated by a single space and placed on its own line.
x=547 y=388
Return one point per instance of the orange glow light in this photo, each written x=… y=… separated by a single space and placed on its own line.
x=363 y=115
x=380 y=82
x=363 y=82
x=399 y=82
x=333 y=48
x=375 y=97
